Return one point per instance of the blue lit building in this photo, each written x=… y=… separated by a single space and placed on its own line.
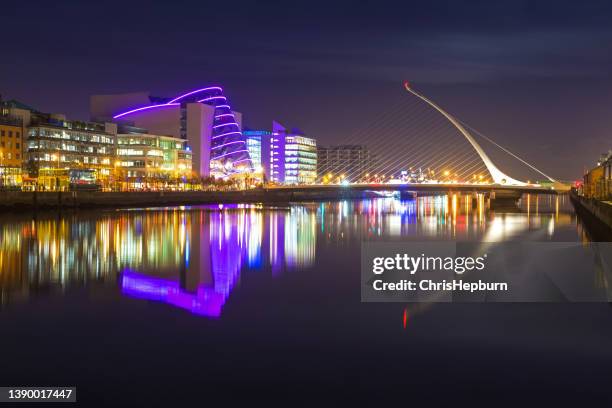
x=254 y=146
x=286 y=156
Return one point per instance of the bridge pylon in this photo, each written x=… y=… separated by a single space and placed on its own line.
x=498 y=176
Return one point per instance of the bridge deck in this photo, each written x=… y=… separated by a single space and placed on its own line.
x=418 y=187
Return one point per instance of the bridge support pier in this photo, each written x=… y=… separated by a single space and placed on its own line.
x=504 y=198
x=407 y=195
x=474 y=203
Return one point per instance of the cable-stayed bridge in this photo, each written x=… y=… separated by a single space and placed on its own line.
x=420 y=147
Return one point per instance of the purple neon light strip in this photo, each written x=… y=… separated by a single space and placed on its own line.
x=145 y=108
x=227 y=154
x=212 y=97
x=224 y=114
x=222 y=106
x=226 y=124
x=196 y=91
x=226 y=134
x=227 y=144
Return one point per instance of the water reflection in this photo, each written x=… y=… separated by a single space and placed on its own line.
x=192 y=258
x=453 y=217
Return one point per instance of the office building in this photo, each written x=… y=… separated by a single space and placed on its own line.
x=69 y=153
x=598 y=181
x=11 y=151
x=286 y=156
x=146 y=161
x=202 y=117
x=63 y=154
x=354 y=162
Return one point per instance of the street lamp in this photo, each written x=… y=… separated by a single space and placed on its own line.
x=117 y=175
x=55 y=157
x=2 y=168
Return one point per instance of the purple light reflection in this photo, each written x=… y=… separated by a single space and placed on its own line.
x=205 y=272
x=205 y=302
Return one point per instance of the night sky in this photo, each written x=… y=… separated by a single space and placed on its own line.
x=535 y=76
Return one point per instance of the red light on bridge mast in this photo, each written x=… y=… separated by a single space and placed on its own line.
x=407 y=84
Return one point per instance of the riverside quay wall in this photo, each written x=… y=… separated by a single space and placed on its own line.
x=87 y=199
x=18 y=200
x=596 y=210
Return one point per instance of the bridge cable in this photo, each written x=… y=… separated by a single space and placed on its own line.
x=507 y=151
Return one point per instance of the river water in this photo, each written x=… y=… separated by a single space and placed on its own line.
x=226 y=302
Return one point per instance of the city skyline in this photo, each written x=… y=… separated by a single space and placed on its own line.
x=205 y=200
x=533 y=77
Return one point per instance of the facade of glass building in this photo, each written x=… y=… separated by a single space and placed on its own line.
x=286 y=156
x=152 y=161
x=254 y=140
x=63 y=154
x=300 y=160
